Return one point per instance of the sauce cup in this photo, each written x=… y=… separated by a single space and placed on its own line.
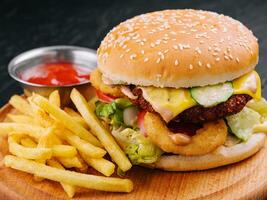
x=82 y=57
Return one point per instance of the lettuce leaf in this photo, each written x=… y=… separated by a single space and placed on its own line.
x=241 y=124
x=112 y=112
x=137 y=147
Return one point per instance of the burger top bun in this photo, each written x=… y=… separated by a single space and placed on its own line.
x=177 y=48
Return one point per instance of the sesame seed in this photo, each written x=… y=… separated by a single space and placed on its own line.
x=217 y=59
x=226 y=57
x=127 y=50
x=133 y=56
x=142 y=52
x=146 y=59
x=175 y=47
x=208 y=65
x=121 y=55
x=197 y=49
x=209 y=49
x=200 y=63
x=158 y=60
x=190 y=66
x=152 y=45
x=237 y=60
x=176 y=63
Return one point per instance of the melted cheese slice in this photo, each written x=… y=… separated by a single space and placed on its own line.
x=170 y=102
x=249 y=84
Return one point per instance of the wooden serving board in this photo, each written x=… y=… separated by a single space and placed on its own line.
x=244 y=180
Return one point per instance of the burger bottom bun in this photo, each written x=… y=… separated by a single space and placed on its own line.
x=221 y=156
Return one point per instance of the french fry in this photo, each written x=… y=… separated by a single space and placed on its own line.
x=28 y=142
x=44 y=142
x=22 y=119
x=21 y=104
x=80 y=144
x=71 y=112
x=69 y=189
x=260 y=128
x=41 y=116
x=65 y=151
x=70 y=162
x=69 y=177
x=25 y=152
x=54 y=98
x=76 y=116
x=102 y=134
x=84 y=167
x=100 y=164
x=65 y=119
x=21 y=128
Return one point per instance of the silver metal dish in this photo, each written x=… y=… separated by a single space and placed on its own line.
x=80 y=56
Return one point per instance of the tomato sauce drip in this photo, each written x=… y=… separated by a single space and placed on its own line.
x=56 y=74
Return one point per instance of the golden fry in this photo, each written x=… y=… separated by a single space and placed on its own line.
x=70 y=177
x=21 y=104
x=80 y=144
x=54 y=98
x=70 y=162
x=65 y=151
x=21 y=128
x=76 y=116
x=69 y=189
x=65 y=119
x=22 y=119
x=28 y=142
x=102 y=134
x=100 y=164
x=25 y=152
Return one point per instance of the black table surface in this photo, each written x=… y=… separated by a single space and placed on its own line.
x=29 y=24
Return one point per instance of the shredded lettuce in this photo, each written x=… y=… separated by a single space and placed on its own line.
x=113 y=111
x=241 y=124
x=137 y=147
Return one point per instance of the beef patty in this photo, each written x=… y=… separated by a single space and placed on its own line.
x=199 y=114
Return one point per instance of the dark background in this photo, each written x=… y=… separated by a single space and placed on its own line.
x=29 y=24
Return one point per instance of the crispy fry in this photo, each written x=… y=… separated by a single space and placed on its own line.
x=22 y=119
x=21 y=104
x=54 y=98
x=65 y=151
x=31 y=130
x=80 y=144
x=69 y=189
x=25 y=152
x=40 y=115
x=28 y=142
x=69 y=177
x=70 y=162
x=97 y=128
x=84 y=167
x=100 y=164
x=65 y=119
x=77 y=117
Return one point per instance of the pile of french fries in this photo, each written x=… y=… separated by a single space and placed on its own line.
x=48 y=141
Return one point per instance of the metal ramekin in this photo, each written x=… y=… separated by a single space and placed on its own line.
x=77 y=55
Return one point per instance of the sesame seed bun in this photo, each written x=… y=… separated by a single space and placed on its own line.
x=222 y=156
x=177 y=48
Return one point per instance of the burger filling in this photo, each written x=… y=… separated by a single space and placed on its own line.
x=178 y=118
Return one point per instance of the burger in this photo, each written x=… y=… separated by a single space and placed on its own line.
x=178 y=89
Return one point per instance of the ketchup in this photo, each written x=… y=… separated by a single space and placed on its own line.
x=56 y=74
